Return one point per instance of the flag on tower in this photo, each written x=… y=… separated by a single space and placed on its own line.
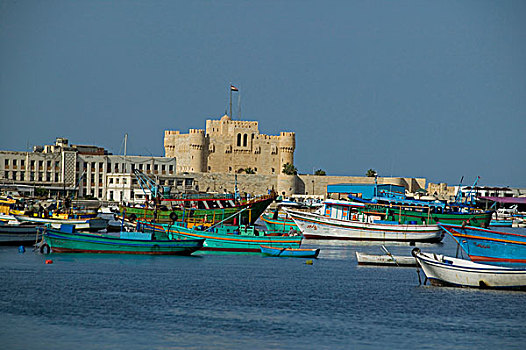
x=233 y=88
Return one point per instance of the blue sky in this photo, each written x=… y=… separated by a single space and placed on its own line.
x=433 y=89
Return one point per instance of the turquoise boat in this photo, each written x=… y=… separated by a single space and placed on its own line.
x=68 y=241
x=225 y=238
x=289 y=252
x=279 y=223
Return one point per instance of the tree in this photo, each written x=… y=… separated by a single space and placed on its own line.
x=371 y=173
x=320 y=172
x=249 y=171
x=289 y=169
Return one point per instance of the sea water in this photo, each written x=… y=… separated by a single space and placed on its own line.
x=89 y=301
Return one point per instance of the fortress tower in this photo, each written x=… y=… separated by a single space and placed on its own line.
x=287 y=144
x=230 y=146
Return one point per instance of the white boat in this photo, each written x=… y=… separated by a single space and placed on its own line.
x=94 y=224
x=362 y=227
x=444 y=270
x=384 y=259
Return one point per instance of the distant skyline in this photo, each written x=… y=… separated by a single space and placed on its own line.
x=407 y=88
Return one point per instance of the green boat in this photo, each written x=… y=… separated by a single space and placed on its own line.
x=429 y=215
x=66 y=240
x=225 y=238
x=202 y=209
x=279 y=223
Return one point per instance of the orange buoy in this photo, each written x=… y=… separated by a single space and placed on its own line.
x=49 y=261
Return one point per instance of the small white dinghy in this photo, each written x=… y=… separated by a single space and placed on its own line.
x=384 y=260
x=445 y=270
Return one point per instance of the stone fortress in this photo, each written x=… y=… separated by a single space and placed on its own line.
x=218 y=157
x=230 y=146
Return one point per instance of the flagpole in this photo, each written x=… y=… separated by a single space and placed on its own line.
x=230 y=101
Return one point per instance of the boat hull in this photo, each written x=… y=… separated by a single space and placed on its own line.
x=18 y=234
x=384 y=260
x=249 y=211
x=443 y=270
x=280 y=224
x=62 y=242
x=93 y=225
x=421 y=216
x=493 y=247
x=316 y=226
x=290 y=253
x=217 y=242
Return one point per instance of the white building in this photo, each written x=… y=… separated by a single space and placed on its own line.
x=84 y=170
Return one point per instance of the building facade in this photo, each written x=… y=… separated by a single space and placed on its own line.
x=81 y=169
x=230 y=146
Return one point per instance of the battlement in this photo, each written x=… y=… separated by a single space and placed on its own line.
x=171 y=132
x=196 y=131
x=287 y=134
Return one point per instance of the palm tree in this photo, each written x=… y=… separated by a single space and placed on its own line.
x=249 y=171
x=320 y=172
x=289 y=169
x=371 y=173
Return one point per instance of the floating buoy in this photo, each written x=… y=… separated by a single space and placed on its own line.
x=21 y=249
x=49 y=261
x=308 y=262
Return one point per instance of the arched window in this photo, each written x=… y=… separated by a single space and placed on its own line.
x=239 y=139
x=245 y=140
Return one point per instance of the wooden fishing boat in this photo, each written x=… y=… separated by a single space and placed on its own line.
x=384 y=260
x=68 y=241
x=289 y=252
x=206 y=209
x=489 y=246
x=225 y=238
x=341 y=224
x=444 y=270
x=17 y=234
x=279 y=223
x=501 y=223
x=407 y=213
x=95 y=224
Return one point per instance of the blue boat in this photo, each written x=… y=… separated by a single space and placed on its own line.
x=488 y=246
x=289 y=252
x=501 y=223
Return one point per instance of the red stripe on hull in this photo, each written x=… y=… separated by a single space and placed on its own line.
x=489 y=259
x=65 y=250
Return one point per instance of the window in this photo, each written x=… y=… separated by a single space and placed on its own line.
x=22 y=162
x=245 y=137
x=239 y=139
x=156 y=167
x=111 y=180
x=14 y=162
x=48 y=164
x=6 y=163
